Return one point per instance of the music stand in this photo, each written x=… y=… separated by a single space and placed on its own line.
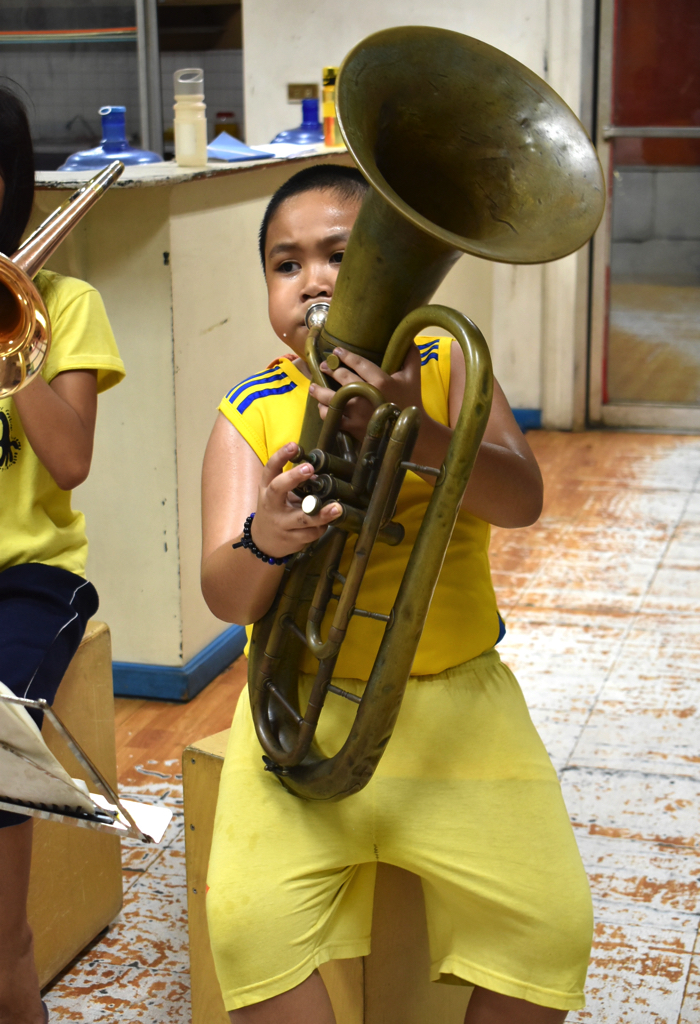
x=33 y=781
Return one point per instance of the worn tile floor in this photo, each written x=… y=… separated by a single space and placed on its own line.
x=602 y=602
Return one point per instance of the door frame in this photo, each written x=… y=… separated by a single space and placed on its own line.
x=655 y=416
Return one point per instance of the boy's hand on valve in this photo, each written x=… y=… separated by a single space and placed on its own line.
x=402 y=388
x=280 y=528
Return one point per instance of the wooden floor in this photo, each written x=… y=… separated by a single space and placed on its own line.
x=157 y=731
x=602 y=603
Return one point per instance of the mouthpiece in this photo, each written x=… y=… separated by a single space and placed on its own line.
x=316 y=314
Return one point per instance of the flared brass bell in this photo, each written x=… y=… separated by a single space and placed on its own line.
x=467 y=150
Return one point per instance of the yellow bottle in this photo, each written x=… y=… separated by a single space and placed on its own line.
x=331 y=132
x=190 y=118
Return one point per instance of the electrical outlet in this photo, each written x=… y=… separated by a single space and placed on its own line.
x=297 y=92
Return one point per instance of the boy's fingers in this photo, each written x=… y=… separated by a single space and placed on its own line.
x=276 y=463
x=281 y=484
x=327 y=514
x=344 y=376
x=364 y=368
x=322 y=395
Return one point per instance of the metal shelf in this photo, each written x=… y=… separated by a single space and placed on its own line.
x=674 y=132
x=69 y=35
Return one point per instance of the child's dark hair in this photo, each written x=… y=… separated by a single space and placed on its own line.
x=347 y=182
x=16 y=170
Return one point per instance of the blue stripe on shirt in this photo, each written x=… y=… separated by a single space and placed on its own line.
x=254 y=377
x=259 y=378
x=265 y=393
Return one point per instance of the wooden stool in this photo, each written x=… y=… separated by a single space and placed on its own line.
x=390 y=986
x=76 y=879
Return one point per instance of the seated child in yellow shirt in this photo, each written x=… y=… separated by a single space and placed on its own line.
x=465 y=795
x=46 y=439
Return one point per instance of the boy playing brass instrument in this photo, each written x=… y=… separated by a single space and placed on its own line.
x=465 y=795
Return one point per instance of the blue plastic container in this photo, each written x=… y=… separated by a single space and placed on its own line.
x=309 y=132
x=113 y=146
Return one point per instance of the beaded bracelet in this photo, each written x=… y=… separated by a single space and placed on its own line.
x=247 y=541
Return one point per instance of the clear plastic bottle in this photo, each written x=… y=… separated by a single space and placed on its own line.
x=190 y=118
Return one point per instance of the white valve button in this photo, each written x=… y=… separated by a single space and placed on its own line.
x=311 y=504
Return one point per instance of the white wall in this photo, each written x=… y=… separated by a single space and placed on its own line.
x=533 y=317
x=291 y=42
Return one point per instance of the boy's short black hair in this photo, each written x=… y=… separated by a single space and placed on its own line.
x=347 y=182
x=16 y=170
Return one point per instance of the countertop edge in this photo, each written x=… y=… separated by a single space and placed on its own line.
x=168 y=173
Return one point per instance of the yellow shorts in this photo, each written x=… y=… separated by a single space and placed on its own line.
x=465 y=797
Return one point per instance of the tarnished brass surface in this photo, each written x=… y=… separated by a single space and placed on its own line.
x=466 y=151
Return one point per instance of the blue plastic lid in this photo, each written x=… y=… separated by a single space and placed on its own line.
x=113 y=125
x=309 y=114
x=113 y=145
x=309 y=132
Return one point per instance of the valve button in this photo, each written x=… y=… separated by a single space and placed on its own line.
x=311 y=504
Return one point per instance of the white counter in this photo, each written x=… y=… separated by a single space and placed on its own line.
x=169 y=173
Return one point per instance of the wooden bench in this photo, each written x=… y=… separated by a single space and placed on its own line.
x=76 y=879
x=390 y=986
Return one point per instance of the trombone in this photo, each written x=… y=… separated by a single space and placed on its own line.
x=25 y=330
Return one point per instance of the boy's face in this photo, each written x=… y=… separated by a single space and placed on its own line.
x=305 y=243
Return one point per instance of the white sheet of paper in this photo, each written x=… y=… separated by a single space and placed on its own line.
x=150 y=818
x=40 y=779
x=282 y=150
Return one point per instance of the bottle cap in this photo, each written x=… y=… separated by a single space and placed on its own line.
x=113 y=124
x=329 y=75
x=309 y=113
x=189 y=82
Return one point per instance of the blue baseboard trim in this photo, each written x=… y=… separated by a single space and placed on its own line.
x=168 y=682
x=528 y=419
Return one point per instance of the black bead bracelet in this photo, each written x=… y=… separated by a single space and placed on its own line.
x=247 y=542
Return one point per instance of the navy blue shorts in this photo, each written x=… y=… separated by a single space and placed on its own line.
x=43 y=614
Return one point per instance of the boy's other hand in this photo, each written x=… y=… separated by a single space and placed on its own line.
x=402 y=388
x=280 y=528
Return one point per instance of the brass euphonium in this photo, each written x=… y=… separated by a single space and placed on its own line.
x=25 y=331
x=466 y=150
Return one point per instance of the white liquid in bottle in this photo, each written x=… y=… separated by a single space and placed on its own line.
x=190 y=118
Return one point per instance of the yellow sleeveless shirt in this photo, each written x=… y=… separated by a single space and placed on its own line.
x=267 y=409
